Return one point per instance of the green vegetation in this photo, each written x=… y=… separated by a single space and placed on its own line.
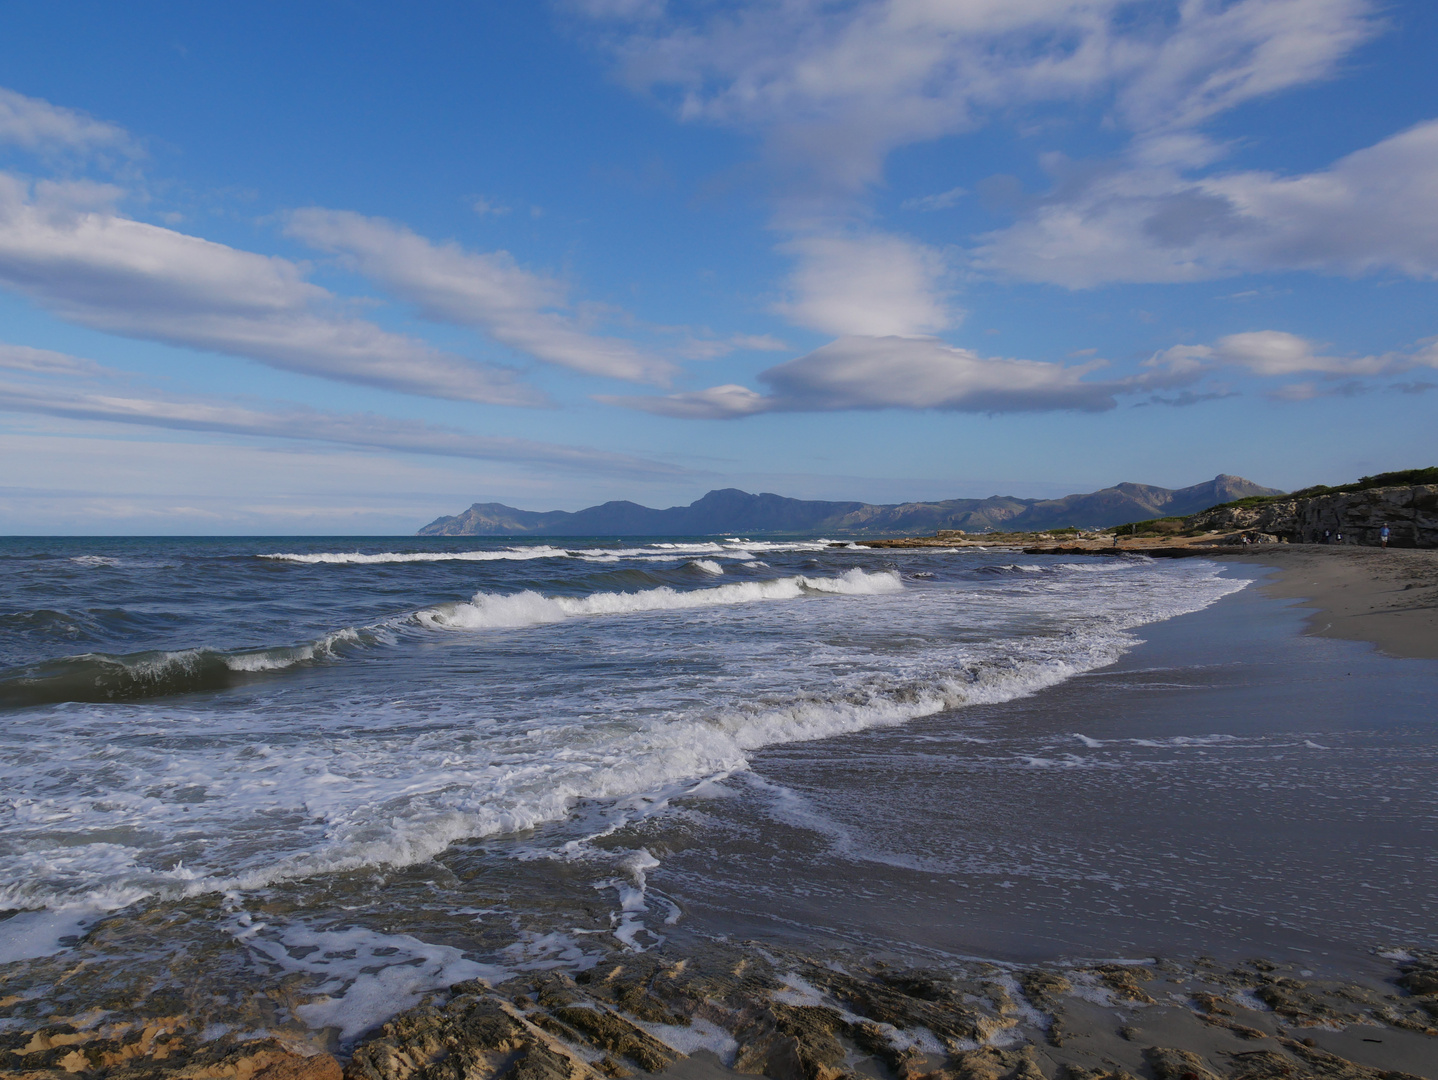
x=1167 y=526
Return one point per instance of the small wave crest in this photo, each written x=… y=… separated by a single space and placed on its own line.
x=528 y=608
x=361 y=558
x=108 y=677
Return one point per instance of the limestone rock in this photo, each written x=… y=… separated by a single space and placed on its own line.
x=1170 y=1064
x=1411 y=514
x=471 y=1038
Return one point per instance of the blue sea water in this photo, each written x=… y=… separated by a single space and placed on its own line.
x=394 y=732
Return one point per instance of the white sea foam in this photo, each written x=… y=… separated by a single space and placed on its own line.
x=94 y=560
x=29 y=934
x=528 y=608
x=658 y=551
x=286 y=789
x=360 y=558
x=368 y=976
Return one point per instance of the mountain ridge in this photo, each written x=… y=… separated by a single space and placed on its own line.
x=729 y=510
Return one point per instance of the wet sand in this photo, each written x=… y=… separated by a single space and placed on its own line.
x=1388 y=598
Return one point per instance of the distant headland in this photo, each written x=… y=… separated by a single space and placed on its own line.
x=730 y=510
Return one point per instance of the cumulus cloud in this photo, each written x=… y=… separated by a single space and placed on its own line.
x=1375 y=209
x=835 y=87
x=102 y=400
x=867 y=285
x=488 y=291
x=894 y=372
x=65 y=247
x=36 y=125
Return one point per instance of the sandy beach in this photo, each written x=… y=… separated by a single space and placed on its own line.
x=1389 y=598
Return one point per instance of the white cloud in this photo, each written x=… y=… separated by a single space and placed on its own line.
x=942 y=201
x=836 y=86
x=1219 y=55
x=716 y=403
x=37 y=125
x=894 y=372
x=488 y=291
x=866 y=285
x=63 y=247
x=98 y=401
x=1278 y=354
x=1373 y=210
x=30 y=361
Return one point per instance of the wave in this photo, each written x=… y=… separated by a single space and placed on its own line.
x=98 y=677
x=360 y=558
x=101 y=677
x=409 y=800
x=528 y=608
x=657 y=551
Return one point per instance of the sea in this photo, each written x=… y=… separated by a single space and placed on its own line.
x=371 y=767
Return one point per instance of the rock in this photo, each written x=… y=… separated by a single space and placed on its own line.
x=317 y=1067
x=1411 y=514
x=990 y=1063
x=1170 y=1064
x=470 y=1038
x=1044 y=988
x=613 y=1033
x=1213 y=1004
x=1326 y=1066
x=1264 y=1065
x=1122 y=981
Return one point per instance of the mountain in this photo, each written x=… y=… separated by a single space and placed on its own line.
x=731 y=511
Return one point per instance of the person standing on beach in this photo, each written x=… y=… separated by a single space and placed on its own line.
x=1327 y=536
x=1383 y=534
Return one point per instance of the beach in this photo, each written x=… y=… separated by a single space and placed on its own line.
x=1388 y=597
x=1175 y=813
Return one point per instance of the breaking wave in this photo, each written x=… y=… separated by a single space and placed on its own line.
x=108 y=677
x=488 y=610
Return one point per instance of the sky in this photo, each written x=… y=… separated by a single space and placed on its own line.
x=340 y=267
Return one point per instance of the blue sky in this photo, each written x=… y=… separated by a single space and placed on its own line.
x=343 y=267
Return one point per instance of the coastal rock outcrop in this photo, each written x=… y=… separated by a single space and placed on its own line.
x=783 y=1015
x=1411 y=514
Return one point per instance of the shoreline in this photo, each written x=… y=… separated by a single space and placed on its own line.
x=720 y=1010
x=702 y=1007
x=1387 y=597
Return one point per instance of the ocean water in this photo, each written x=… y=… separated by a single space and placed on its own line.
x=386 y=764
